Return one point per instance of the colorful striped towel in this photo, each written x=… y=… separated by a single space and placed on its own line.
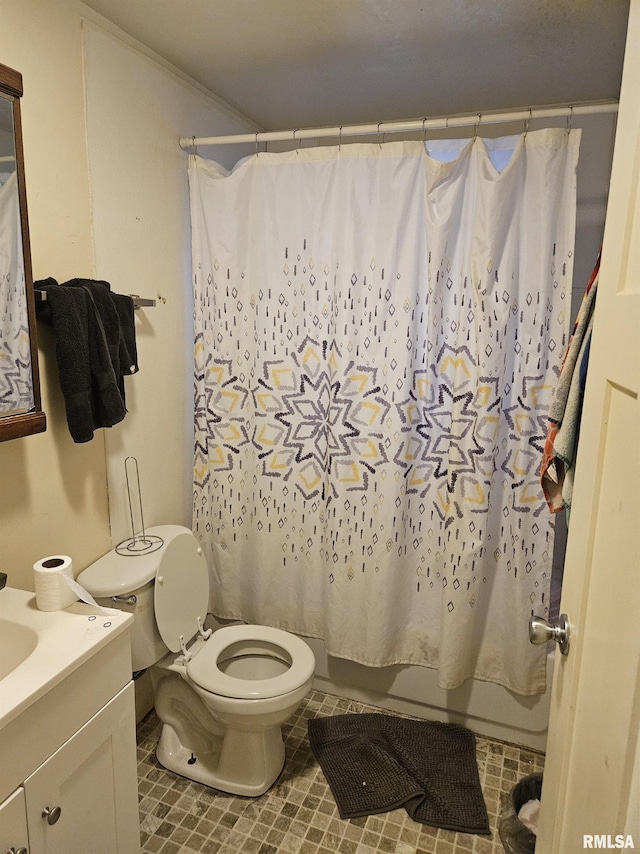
x=561 y=442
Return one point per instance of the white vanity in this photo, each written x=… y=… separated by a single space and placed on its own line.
x=67 y=730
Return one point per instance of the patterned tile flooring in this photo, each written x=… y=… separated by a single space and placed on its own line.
x=298 y=814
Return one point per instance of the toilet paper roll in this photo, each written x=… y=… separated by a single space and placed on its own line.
x=56 y=587
x=52 y=575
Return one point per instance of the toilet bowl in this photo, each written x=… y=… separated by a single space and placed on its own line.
x=221 y=696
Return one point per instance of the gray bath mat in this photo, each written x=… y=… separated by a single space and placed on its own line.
x=375 y=763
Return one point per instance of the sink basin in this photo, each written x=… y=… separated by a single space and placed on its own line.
x=38 y=649
x=17 y=642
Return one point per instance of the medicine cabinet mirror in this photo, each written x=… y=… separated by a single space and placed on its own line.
x=20 y=407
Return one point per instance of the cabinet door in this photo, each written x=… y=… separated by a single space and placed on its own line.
x=89 y=788
x=13 y=823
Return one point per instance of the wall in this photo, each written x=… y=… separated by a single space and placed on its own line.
x=137 y=110
x=53 y=493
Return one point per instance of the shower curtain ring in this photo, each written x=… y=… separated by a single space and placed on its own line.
x=526 y=123
x=295 y=131
x=477 y=127
x=379 y=143
x=570 y=119
x=257 y=149
x=340 y=138
x=193 y=145
x=424 y=130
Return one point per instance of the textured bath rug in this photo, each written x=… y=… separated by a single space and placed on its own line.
x=375 y=763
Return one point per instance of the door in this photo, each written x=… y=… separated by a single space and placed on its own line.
x=83 y=799
x=13 y=823
x=591 y=795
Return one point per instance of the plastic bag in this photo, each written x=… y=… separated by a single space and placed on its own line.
x=516 y=838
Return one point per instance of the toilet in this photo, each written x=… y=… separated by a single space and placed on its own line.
x=221 y=696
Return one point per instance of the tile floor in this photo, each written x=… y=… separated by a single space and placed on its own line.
x=298 y=814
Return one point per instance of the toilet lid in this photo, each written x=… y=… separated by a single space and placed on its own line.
x=181 y=591
x=203 y=667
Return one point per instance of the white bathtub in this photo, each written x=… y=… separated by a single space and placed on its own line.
x=483 y=707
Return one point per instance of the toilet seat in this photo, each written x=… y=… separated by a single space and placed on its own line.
x=203 y=668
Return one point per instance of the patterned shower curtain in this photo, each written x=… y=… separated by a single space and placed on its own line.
x=16 y=385
x=378 y=330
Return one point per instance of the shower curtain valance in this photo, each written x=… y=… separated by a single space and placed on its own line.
x=378 y=330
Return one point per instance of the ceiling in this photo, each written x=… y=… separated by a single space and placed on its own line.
x=308 y=63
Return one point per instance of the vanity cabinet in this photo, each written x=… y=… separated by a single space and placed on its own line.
x=83 y=798
x=68 y=781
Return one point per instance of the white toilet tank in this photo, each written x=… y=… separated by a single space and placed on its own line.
x=125 y=575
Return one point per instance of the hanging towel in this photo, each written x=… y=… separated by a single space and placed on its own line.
x=561 y=441
x=88 y=344
x=116 y=314
x=128 y=347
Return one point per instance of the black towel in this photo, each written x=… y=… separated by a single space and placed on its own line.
x=116 y=313
x=87 y=377
x=128 y=348
x=375 y=763
x=100 y=294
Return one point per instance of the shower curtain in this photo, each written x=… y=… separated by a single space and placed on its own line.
x=378 y=330
x=16 y=385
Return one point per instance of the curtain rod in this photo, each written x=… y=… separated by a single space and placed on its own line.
x=423 y=125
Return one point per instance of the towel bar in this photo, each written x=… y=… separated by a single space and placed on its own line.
x=138 y=302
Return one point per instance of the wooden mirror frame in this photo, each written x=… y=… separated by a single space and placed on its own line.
x=25 y=423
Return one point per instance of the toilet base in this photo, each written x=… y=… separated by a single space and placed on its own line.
x=239 y=763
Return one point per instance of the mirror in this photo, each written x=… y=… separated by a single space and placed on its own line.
x=20 y=408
